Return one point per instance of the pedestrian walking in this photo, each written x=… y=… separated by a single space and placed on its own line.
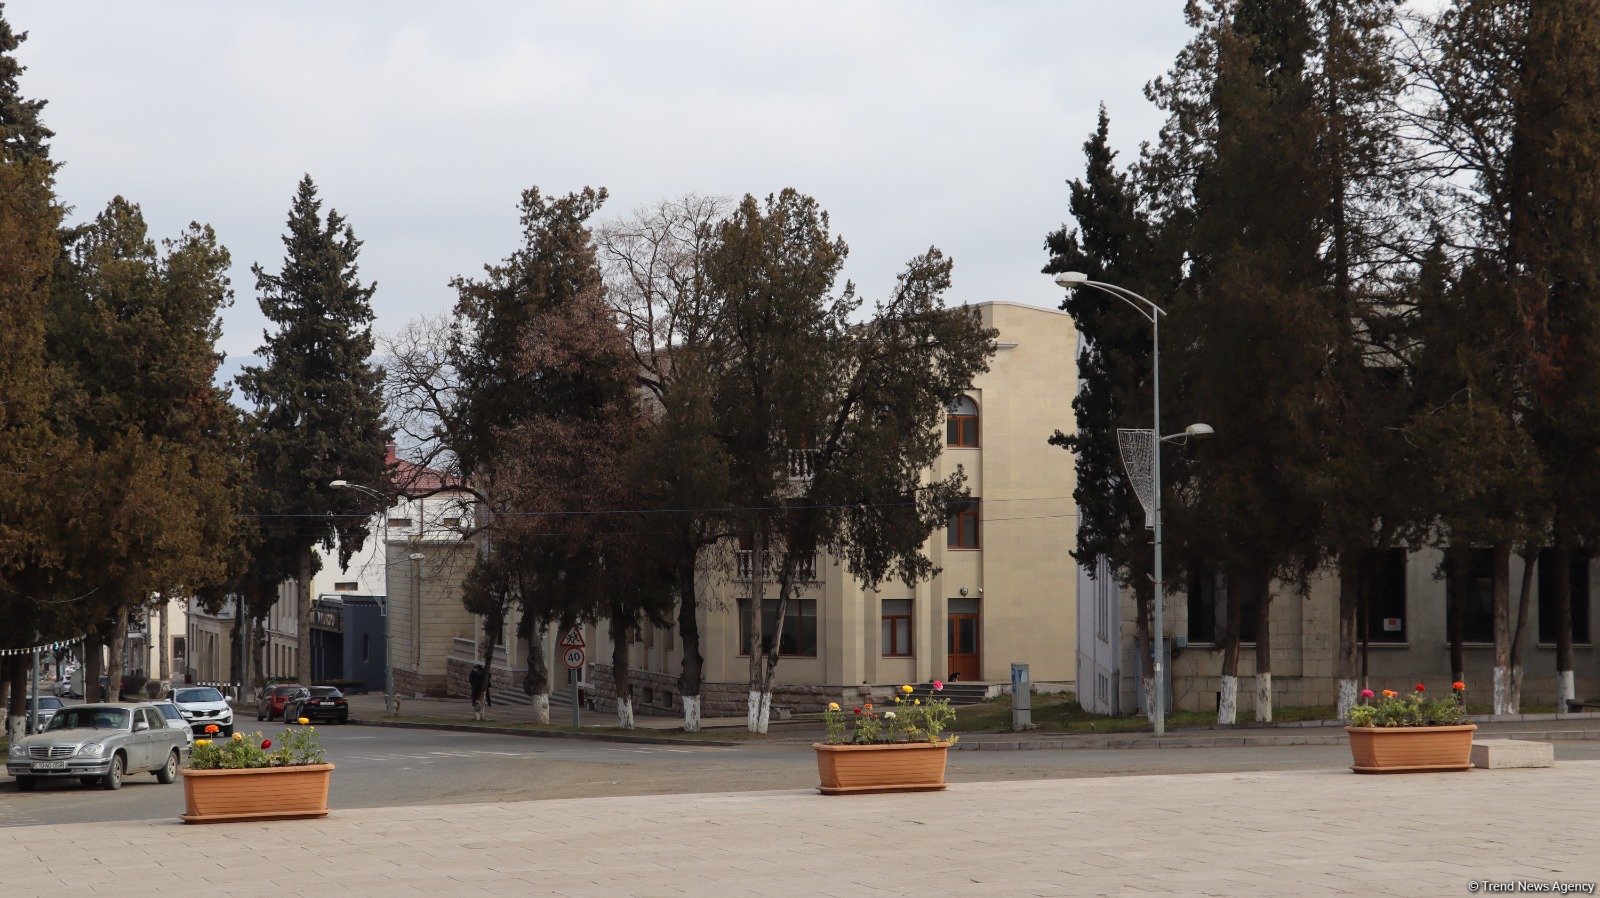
x=477 y=681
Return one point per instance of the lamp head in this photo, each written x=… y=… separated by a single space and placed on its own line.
x=339 y=484
x=417 y=556
x=1070 y=279
x=1196 y=431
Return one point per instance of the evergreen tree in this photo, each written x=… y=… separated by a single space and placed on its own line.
x=1116 y=242
x=1252 y=321
x=318 y=400
x=23 y=136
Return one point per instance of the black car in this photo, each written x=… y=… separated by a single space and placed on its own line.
x=317 y=703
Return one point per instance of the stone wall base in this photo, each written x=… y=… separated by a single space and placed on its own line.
x=409 y=682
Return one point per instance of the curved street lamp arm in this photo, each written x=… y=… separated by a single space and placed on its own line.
x=1143 y=306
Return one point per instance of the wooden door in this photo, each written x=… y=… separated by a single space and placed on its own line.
x=962 y=640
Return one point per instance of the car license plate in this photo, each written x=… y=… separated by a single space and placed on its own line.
x=50 y=765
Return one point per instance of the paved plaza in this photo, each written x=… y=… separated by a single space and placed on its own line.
x=1273 y=833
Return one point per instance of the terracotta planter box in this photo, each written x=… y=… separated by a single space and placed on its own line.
x=266 y=793
x=1411 y=749
x=901 y=767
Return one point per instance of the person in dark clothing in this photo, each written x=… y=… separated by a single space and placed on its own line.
x=478 y=680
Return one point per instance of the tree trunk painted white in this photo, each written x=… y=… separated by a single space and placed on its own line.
x=1502 y=690
x=1148 y=684
x=691 y=714
x=1566 y=690
x=753 y=711
x=164 y=647
x=1228 y=703
x=541 y=708
x=625 y=712
x=1347 y=698
x=1263 y=698
x=16 y=726
x=766 y=710
x=1514 y=700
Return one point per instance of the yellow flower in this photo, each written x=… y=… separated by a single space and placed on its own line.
x=907 y=690
x=238 y=737
x=833 y=706
x=302 y=720
x=916 y=701
x=202 y=742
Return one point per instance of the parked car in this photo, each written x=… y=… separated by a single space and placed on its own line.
x=98 y=744
x=203 y=706
x=270 y=704
x=174 y=719
x=48 y=706
x=317 y=703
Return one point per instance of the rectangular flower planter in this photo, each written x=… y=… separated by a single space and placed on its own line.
x=1411 y=749
x=265 y=793
x=898 y=767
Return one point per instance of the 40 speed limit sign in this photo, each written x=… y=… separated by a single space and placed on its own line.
x=573 y=658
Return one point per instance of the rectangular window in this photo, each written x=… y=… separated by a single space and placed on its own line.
x=1477 y=613
x=962 y=530
x=1547 y=598
x=668 y=637
x=1385 y=574
x=1208 y=607
x=1102 y=600
x=346 y=586
x=897 y=628
x=399 y=523
x=799 y=627
x=451 y=523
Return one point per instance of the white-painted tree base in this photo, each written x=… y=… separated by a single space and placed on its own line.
x=1566 y=690
x=1502 y=691
x=1228 y=701
x=16 y=726
x=541 y=708
x=766 y=712
x=1347 y=698
x=691 y=714
x=1148 y=684
x=752 y=711
x=1514 y=698
x=1263 y=698
x=625 y=712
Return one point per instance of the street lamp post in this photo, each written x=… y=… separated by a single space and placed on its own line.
x=1153 y=314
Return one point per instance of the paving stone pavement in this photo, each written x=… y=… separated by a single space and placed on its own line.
x=1314 y=832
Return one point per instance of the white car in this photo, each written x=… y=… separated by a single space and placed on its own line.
x=203 y=706
x=176 y=721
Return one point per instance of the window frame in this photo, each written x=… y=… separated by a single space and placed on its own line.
x=963 y=430
x=795 y=613
x=889 y=628
x=956 y=527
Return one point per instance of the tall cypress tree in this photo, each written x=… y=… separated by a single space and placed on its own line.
x=23 y=136
x=318 y=399
x=1115 y=241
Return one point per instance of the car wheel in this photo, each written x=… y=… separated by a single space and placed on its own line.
x=260 y=716
x=168 y=775
x=112 y=781
x=26 y=783
x=228 y=731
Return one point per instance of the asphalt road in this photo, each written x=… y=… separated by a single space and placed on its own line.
x=383 y=767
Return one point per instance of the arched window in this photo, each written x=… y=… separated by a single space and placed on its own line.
x=961 y=427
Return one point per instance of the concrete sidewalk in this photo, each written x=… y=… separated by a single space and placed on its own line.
x=1290 y=833
x=371 y=707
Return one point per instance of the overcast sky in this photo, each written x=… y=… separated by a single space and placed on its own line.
x=949 y=124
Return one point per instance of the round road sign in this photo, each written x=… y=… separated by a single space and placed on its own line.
x=574 y=658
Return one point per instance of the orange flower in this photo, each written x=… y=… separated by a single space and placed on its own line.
x=213 y=728
x=1459 y=686
x=1389 y=693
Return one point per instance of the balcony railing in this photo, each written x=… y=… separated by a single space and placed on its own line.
x=805 y=571
x=802 y=464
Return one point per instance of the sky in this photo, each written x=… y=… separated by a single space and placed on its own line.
x=948 y=124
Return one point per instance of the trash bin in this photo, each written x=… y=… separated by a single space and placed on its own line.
x=1021 y=697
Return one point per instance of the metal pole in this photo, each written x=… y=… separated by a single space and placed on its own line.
x=573 y=674
x=1160 y=585
x=388 y=654
x=33 y=709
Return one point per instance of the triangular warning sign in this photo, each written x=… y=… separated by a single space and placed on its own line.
x=573 y=639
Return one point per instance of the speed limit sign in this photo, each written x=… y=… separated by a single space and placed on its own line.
x=574 y=658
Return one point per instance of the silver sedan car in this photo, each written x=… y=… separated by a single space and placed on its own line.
x=98 y=744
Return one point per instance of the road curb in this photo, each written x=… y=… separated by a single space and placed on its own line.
x=1241 y=741
x=542 y=734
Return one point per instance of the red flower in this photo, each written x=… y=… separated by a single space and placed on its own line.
x=266 y=743
x=1459 y=686
x=1421 y=688
x=858 y=711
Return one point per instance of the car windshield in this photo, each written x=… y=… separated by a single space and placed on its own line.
x=46 y=703
x=206 y=694
x=324 y=692
x=89 y=717
x=169 y=711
